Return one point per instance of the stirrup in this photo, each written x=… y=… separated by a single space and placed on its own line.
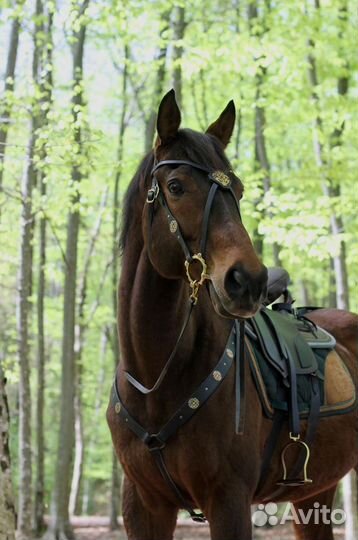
x=286 y=481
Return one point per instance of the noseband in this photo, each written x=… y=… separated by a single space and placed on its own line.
x=218 y=179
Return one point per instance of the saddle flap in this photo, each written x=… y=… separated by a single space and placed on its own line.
x=279 y=338
x=269 y=345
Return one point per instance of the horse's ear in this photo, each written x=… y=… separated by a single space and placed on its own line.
x=223 y=127
x=168 y=120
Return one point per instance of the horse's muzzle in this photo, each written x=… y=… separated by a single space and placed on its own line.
x=241 y=293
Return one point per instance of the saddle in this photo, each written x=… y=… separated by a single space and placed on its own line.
x=297 y=372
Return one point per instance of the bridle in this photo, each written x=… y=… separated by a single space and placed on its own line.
x=234 y=351
x=219 y=180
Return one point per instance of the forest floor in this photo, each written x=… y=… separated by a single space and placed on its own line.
x=96 y=528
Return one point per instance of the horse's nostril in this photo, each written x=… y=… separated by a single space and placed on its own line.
x=236 y=282
x=236 y=276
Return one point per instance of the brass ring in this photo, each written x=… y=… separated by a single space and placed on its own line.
x=203 y=275
x=196 y=283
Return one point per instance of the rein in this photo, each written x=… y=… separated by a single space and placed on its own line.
x=235 y=347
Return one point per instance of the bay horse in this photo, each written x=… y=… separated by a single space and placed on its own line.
x=169 y=207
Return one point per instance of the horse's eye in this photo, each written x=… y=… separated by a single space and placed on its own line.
x=175 y=187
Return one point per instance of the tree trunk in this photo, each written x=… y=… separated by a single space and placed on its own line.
x=178 y=35
x=114 y=503
x=79 y=451
x=7 y=508
x=46 y=98
x=23 y=310
x=159 y=83
x=5 y=111
x=24 y=305
x=60 y=527
x=96 y=417
x=336 y=224
x=332 y=300
x=330 y=190
x=304 y=300
x=349 y=505
x=237 y=6
x=261 y=155
x=80 y=331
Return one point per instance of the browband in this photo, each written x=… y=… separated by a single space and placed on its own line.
x=180 y=162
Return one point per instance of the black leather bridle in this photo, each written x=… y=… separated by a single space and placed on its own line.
x=218 y=179
x=234 y=350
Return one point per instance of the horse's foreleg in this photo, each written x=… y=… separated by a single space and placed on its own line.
x=318 y=507
x=145 y=521
x=229 y=516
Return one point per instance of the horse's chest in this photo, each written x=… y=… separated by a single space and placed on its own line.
x=195 y=449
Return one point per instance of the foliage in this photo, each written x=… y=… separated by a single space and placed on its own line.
x=221 y=60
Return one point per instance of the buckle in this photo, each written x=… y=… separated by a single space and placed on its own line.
x=153 y=193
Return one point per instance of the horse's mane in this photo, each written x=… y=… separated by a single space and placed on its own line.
x=191 y=145
x=131 y=197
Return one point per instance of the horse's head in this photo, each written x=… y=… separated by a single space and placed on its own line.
x=192 y=215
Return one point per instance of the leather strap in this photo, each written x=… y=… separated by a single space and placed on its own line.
x=312 y=423
x=190 y=406
x=206 y=216
x=156 y=442
x=174 y=227
x=240 y=377
x=179 y=162
x=278 y=422
x=294 y=415
x=139 y=386
x=159 y=460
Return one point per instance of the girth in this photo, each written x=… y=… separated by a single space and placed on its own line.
x=156 y=442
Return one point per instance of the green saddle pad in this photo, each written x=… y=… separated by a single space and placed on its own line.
x=268 y=342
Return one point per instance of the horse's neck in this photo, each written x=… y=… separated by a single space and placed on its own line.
x=152 y=312
x=150 y=315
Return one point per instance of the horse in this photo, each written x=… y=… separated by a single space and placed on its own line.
x=181 y=237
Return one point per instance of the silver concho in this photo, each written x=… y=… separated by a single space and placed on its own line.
x=193 y=403
x=173 y=226
x=117 y=407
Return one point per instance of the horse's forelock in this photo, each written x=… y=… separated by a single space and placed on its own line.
x=202 y=148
